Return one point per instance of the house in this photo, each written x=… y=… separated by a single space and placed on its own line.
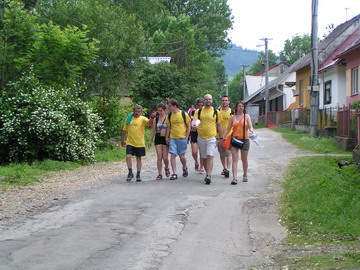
x=351 y=56
x=326 y=49
x=281 y=92
x=254 y=83
x=333 y=73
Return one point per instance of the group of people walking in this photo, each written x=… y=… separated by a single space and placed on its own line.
x=204 y=127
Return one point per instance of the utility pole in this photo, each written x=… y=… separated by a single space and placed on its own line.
x=244 y=82
x=267 y=102
x=346 y=10
x=314 y=88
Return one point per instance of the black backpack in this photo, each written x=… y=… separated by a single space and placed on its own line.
x=215 y=114
x=182 y=114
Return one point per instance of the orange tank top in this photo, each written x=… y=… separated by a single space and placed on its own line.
x=238 y=128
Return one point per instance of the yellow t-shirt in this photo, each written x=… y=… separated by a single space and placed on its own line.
x=177 y=125
x=136 y=131
x=207 y=128
x=225 y=118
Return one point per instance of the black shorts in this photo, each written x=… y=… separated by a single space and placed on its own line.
x=193 y=136
x=135 y=151
x=160 y=140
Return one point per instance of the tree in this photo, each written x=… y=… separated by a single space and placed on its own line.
x=211 y=20
x=259 y=64
x=56 y=55
x=295 y=48
x=120 y=36
x=159 y=82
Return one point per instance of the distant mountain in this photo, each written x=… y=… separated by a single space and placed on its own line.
x=236 y=56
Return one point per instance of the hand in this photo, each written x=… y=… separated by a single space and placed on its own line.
x=123 y=143
x=149 y=144
x=167 y=140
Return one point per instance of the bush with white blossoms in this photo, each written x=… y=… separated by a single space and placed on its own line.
x=38 y=122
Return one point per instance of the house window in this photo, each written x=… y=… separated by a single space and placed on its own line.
x=327 y=92
x=355 y=81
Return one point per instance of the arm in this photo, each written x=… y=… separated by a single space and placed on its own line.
x=123 y=136
x=188 y=130
x=153 y=131
x=168 y=135
x=229 y=126
x=251 y=129
x=220 y=131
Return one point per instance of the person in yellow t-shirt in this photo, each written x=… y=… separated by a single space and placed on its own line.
x=177 y=133
x=134 y=132
x=210 y=124
x=225 y=155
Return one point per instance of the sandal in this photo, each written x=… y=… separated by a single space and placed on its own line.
x=196 y=167
x=234 y=182
x=159 y=177
x=185 y=172
x=167 y=172
x=173 y=176
x=245 y=179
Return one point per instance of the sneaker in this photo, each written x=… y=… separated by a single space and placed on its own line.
x=138 y=178
x=226 y=173
x=207 y=179
x=129 y=177
x=185 y=172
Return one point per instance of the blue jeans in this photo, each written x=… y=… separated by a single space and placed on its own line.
x=178 y=146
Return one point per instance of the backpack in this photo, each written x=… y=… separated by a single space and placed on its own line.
x=215 y=114
x=182 y=114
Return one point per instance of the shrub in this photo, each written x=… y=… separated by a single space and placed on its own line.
x=38 y=122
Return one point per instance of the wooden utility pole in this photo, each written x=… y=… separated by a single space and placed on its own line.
x=267 y=102
x=314 y=87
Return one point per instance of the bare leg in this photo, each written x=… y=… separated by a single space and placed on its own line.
x=183 y=160
x=235 y=158
x=165 y=155
x=244 y=159
x=209 y=164
x=159 y=153
x=173 y=163
x=228 y=162
x=128 y=161
x=194 y=152
x=138 y=164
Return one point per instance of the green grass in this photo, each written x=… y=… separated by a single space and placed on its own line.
x=24 y=174
x=336 y=260
x=321 y=201
x=305 y=141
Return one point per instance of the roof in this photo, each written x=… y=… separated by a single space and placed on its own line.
x=333 y=59
x=272 y=67
x=325 y=48
x=274 y=82
x=253 y=83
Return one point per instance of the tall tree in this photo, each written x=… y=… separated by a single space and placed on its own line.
x=295 y=48
x=259 y=65
x=120 y=39
x=210 y=18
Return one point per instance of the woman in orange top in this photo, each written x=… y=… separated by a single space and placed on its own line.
x=241 y=124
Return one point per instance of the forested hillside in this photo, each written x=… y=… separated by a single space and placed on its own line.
x=236 y=56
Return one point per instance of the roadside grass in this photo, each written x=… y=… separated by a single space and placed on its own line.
x=24 y=174
x=321 y=206
x=305 y=141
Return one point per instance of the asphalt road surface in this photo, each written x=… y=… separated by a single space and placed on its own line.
x=182 y=224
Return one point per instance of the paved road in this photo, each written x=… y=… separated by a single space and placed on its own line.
x=182 y=224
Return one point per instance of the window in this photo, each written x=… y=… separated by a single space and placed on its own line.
x=327 y=92
x=355 y=81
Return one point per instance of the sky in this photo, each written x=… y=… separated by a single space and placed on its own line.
x=279 y=20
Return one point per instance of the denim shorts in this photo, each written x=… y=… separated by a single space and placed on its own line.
x=178 y=146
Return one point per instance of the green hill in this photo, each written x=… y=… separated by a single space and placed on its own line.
x=236 y=56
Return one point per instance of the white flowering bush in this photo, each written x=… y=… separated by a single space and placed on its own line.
x=38 y=122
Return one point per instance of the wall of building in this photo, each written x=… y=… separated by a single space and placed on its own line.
x=303 y=100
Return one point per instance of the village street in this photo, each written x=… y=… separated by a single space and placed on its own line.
x=182 y=224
